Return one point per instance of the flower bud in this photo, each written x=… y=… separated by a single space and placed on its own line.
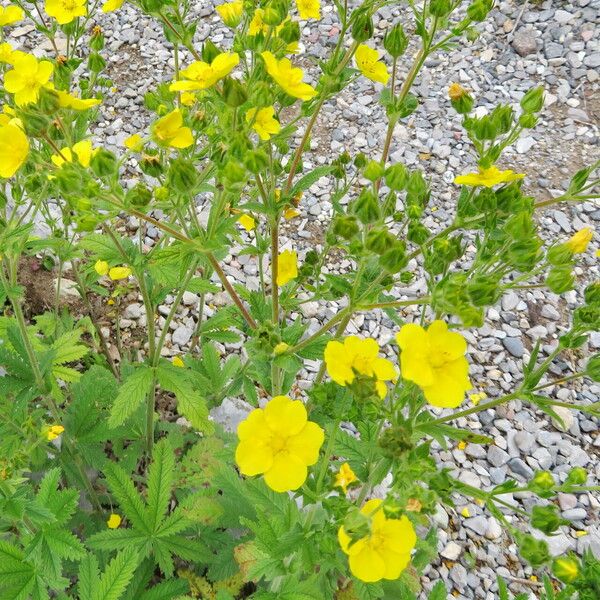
x=592 y=293
x=528 y=121
x=234 y=172
x=566 y=568
x=290 y=32
x=87 y=223
x=546 y=518
x=34 y=122
x=535 y=552
x=379 y=239
x=161 y=193
x=478 y=11
x=440 y=8
x=417 y=232
x=578 y=475
x=96 y=63
x=97 y=39
x=360 y=160
x=560 y=280
x=182 y=175
x=261 y=94
x=396 y=177
x=559 y=255
x=103 y=163
x=533 y=100
x=373 y=171
x=151 y=165
x=484 y=128
x=362 y=28
x=139 y=196
x=395 y=41
x=543 y=480
x=394 y=259
x=275 y=13
x=366 y=207
x=484 y=290
x=461 y=100
x=346 y=226
x=234 y=93
x=256 y=161
x=503 y=119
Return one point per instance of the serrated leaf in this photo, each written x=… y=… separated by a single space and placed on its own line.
x=64 y=544
x=131 y=394
x=160 y=482
x=89 y=575
x=67 y=349
x=117 y=576
x=307 y=180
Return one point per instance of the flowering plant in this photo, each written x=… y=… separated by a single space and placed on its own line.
x=326 y=486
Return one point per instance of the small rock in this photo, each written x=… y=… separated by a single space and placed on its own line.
x=497 y=457
x=182 y=335
x=524 y=441
x=477 y=524
x=524 y=42
x=575 y=514
x=494 y=530
x=566 y=416
x=519 y=467
x=452 y=551
x=514 y=346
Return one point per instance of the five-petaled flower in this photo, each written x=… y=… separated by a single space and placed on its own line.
x=579 y=241
x=26 y=78
x=488 y=177
x=435 y=360
x=287 y=267
x=65 y=11
x=288 y=77
x=367 y=61
x=385 y=551
x=10 y=14
x=101 y=267
x=231 y=12
x=14 y=148
x=279 y=443
x=357 y=356
x=113 y=521
x=309 y=9
x=201 y=75
x=263 y=121
x=169 y=131
x=117 y=273
x=344 y=477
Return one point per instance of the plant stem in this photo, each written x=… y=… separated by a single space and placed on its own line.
x=474 y=409
x=335 y=425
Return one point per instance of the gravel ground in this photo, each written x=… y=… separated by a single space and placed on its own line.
x=556 y=44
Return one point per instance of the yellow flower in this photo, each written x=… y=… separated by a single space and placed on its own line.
x=488 y=177
x=280 y=348
x=6 y=53
x=435 y=361
x=113 y=521
x=357 y=356
x=247 y=222
x=10 y=14
x=465 y=512
x=169 y=131
x=385 y=552
x=344 y=477
x=461 y=445
x=187 y=98
x=65 y=11
x=580 y=240
x=598 y=253
x=309 y=9
x=53 y=432
x=287 y=267
x=14 y=148
x=456 y=91
x=26 y=78
x=580 y=533
x=101 y=267
x=290 y=213
x=279 y=443
x=83 y=152
x=66 y=100
x=112 y=5
x=367 y=60
x=257 y=25
x=117 y=273
x=288 y=77
x=201 y=75
x=263 y=121
x=477 y=398
x=177 y=362
x=231 y=12
x=134 y=142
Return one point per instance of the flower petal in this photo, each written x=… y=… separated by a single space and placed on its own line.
x=306 y=444
x=286 y=473
x=284 y=416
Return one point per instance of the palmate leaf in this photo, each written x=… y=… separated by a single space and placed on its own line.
x=67 y=349
x=131 y=394
x=64 y=544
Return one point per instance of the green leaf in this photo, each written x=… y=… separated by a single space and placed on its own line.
x=64 y=544
x=160 y=482
x=307 y=180
x=117 y=576
x=167 y=590
x=124 y=491
x=190 y=403
x=88 y=577
x=67 y=349
x=132 y=393
x=438 y=592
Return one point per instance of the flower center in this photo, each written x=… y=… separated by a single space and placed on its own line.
x=69 y=5
x=278 y=444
